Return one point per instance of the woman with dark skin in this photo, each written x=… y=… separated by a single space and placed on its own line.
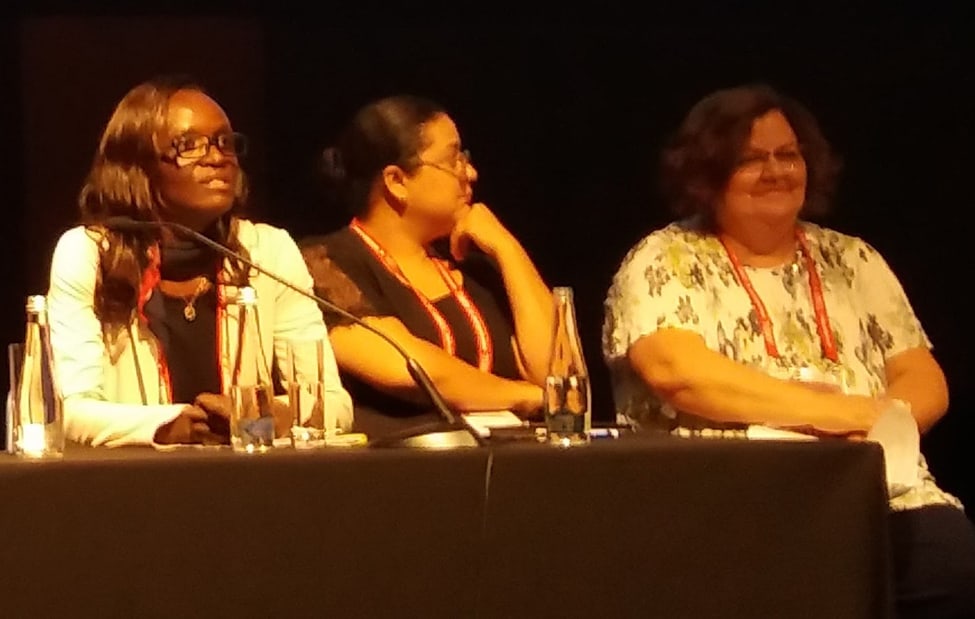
x=142 y=322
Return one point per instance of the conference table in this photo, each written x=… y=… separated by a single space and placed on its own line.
x=641 y=526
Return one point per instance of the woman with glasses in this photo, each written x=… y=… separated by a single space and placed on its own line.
x=141 y=328
x=431 y=268
x=743 y=313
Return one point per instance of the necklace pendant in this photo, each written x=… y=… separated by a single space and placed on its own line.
x=189 y=313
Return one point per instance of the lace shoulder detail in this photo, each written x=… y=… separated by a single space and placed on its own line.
x=336 y=285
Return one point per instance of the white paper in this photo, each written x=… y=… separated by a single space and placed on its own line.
x=185 y=446
x=482 y=422
x=896 y=431
x=768 y=433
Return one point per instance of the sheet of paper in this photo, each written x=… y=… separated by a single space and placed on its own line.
x=187 y=446
x=768 y=433
x=896 y=431
x=482 y=421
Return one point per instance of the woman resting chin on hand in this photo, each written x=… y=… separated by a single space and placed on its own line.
x=430 y=268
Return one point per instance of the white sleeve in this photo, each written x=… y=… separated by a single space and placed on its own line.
x=657 y=286
x=891 y=322
x=298 y=317
x=80 y=356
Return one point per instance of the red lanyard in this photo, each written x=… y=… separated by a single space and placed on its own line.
x=485 y=349
x=150 y=279
x=815 y=288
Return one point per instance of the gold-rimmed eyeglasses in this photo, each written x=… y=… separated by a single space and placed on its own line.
x=755 y=161
x=458 y=168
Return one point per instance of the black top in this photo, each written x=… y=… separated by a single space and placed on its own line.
x=347 y=273
x=190 y=347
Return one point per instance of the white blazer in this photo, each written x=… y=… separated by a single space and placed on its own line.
x=114 y=392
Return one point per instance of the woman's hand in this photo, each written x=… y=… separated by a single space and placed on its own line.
x=190 y=426
x=529 y=406
x=855 y=410
x=477 y=224
x=283 y=419
x=219 y=409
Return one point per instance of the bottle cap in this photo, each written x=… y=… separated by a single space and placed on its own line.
x=246 y=296
x=37 y=303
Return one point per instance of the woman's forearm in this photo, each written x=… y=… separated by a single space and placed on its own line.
x=531 y=304
x=463 y=386
x=915 y=377
x=692 y=378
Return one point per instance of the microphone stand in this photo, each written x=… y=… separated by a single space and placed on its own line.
x=450 y=433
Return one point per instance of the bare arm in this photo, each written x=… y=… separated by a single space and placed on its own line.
x=463 y=386
x=531 y=305
x=910 y=370
x=915 y=376
x=683 y=371
x=529 y=297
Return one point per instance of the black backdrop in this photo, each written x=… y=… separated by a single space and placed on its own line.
x=564 y=119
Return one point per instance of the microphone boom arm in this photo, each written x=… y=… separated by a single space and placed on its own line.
x=415 y=370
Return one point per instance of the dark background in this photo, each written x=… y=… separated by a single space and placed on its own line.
x=564 y=117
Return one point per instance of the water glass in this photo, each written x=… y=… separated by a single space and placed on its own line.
x=251 y=418
x=311 y=423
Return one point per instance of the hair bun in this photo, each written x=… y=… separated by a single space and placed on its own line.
x=333 y=167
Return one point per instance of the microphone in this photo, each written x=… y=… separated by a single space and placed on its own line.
x=416 y=371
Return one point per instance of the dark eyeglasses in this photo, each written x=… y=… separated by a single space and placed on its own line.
x=191 y=146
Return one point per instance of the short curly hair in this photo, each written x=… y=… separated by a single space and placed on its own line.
x=702 y=155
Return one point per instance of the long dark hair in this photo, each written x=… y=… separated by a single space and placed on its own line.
x=121 y=183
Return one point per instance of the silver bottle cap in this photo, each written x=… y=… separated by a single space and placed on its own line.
x=246 y=296
x=564 y=292
x=37 y=304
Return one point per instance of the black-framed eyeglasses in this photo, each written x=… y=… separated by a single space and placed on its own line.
x=459 y=166
x=191 y=146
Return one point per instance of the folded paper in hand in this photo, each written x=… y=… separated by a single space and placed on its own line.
x=896 y=431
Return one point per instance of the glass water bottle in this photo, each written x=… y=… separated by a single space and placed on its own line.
x=251 y=389
x=36 y=406
x=568 y=400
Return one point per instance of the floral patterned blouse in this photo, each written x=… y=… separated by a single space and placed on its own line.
x=681 y=277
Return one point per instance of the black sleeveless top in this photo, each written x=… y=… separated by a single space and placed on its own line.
x=347 y=273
